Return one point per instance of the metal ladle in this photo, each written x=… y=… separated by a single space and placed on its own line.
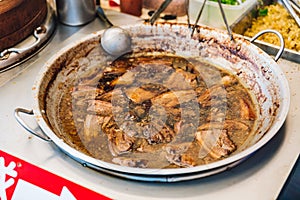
x=117 y=41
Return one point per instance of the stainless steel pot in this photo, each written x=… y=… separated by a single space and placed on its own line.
x=253 y=66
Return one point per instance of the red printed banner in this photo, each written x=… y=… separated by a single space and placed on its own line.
x=22 y=180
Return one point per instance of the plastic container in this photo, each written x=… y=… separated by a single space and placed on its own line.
x=212 y=16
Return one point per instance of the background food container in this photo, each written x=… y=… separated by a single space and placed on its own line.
x=176 y=7
x=211 y=15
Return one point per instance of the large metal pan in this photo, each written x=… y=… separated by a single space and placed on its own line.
x=253 y=67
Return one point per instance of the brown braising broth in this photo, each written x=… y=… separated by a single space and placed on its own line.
x=157 y=111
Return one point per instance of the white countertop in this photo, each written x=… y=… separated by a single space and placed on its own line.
x=259 y=177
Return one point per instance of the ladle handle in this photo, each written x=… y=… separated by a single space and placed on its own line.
x=161 y=8
x=24 y=125
x=225 y=20
x=282 y=44
x=101 y=14
x=290 y=9
x=198 y=17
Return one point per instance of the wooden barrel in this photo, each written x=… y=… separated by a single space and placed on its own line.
x=18 y=19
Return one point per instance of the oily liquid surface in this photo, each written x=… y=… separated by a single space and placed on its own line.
x=157 y=111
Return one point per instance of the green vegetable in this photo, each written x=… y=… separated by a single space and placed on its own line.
x=263 y=12
x=229 y=2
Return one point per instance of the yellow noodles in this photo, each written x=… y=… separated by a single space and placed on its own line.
x=278 y=19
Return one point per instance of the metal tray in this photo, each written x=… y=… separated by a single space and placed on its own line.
x=244 y=22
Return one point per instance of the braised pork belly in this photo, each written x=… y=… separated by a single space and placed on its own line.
x=159 y=111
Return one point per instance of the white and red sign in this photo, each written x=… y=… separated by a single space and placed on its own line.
x=20 y=180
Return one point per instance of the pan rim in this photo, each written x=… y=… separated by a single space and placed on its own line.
x=85 y=159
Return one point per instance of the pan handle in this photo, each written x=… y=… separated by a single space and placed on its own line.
x=24 y=125
x=5 y=54
x=281 y=49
